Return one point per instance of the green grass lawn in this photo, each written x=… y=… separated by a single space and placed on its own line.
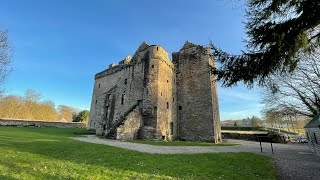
x=48 y=153
x=180 y=143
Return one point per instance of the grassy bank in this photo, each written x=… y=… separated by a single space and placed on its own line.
x=48 y=153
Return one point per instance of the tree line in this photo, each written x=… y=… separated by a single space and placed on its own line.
x=294 y=98
x=31 y=107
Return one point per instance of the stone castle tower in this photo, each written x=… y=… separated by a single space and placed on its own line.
x=150 y=97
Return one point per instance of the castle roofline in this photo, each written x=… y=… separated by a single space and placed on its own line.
x=188 y=45
x=138 y=55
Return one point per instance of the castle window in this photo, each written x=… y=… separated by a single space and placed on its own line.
x=96 y=101
x=99 y=85
x=167 y=81
x=109 y=96
x=107 y=111
x=125 y=81
x=171 y=128
x=122 y=98
x=152 y=66
x=167 y=105
x=180 y=107
x=155 y=111
x=315 y=138
x=173 y=99
x=161 y=93
x=157 y=48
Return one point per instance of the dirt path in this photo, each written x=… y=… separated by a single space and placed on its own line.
x=292 y=161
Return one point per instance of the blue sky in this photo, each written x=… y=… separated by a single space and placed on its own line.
x=60 y=45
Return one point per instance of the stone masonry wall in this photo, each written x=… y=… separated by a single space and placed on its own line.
x=124 y=85
x=215 y=101
x=130 y=129
x=175 y=100
x=10 y=122
x=194 y=98
x=166 y=107
x=150 y=98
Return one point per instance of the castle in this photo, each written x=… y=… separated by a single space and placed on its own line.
x=149 y=97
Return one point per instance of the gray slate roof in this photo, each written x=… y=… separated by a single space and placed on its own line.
x=314 y=123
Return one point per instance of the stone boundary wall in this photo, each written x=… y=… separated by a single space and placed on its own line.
x=38 y=123
x=252 y=137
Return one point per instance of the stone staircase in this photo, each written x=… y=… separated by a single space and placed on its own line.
x=112 y=132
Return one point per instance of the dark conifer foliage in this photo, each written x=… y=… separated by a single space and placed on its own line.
x=278 y=31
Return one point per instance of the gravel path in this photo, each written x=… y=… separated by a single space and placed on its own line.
x=292 y=161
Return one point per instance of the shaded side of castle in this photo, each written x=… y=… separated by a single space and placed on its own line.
x=149 y=97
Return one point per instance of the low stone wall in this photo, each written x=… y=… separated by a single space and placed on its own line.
x=252 y=137
x=12 y=122
x=248 y=137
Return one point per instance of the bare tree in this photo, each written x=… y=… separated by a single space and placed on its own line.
x=5 y=57
x=66 y=113
x=298 y=92
x=30 y=107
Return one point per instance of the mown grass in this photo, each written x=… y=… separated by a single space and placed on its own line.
x=48 y=153
x=180 y=143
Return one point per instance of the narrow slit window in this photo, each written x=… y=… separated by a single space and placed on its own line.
x=96 y=101
x=172 y=99
x=155 y=111
x=180 y=107
x=171 y=128
x=125 y=81
x=99 y=85
x=109 y=96
x=167 y=105
x=152 y=66
x=107 y=111
x=123 y=98
x=315 y=138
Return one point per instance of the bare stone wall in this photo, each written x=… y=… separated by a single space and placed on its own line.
x=118 y=89
x=10 y=122
x=130 y=129
x=101 y=86
x=215 y=102
x=150 y=98
x=166 y=106
x=118 y=93
x=194 y=94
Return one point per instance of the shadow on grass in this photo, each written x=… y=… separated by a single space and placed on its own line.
x=94 y=160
